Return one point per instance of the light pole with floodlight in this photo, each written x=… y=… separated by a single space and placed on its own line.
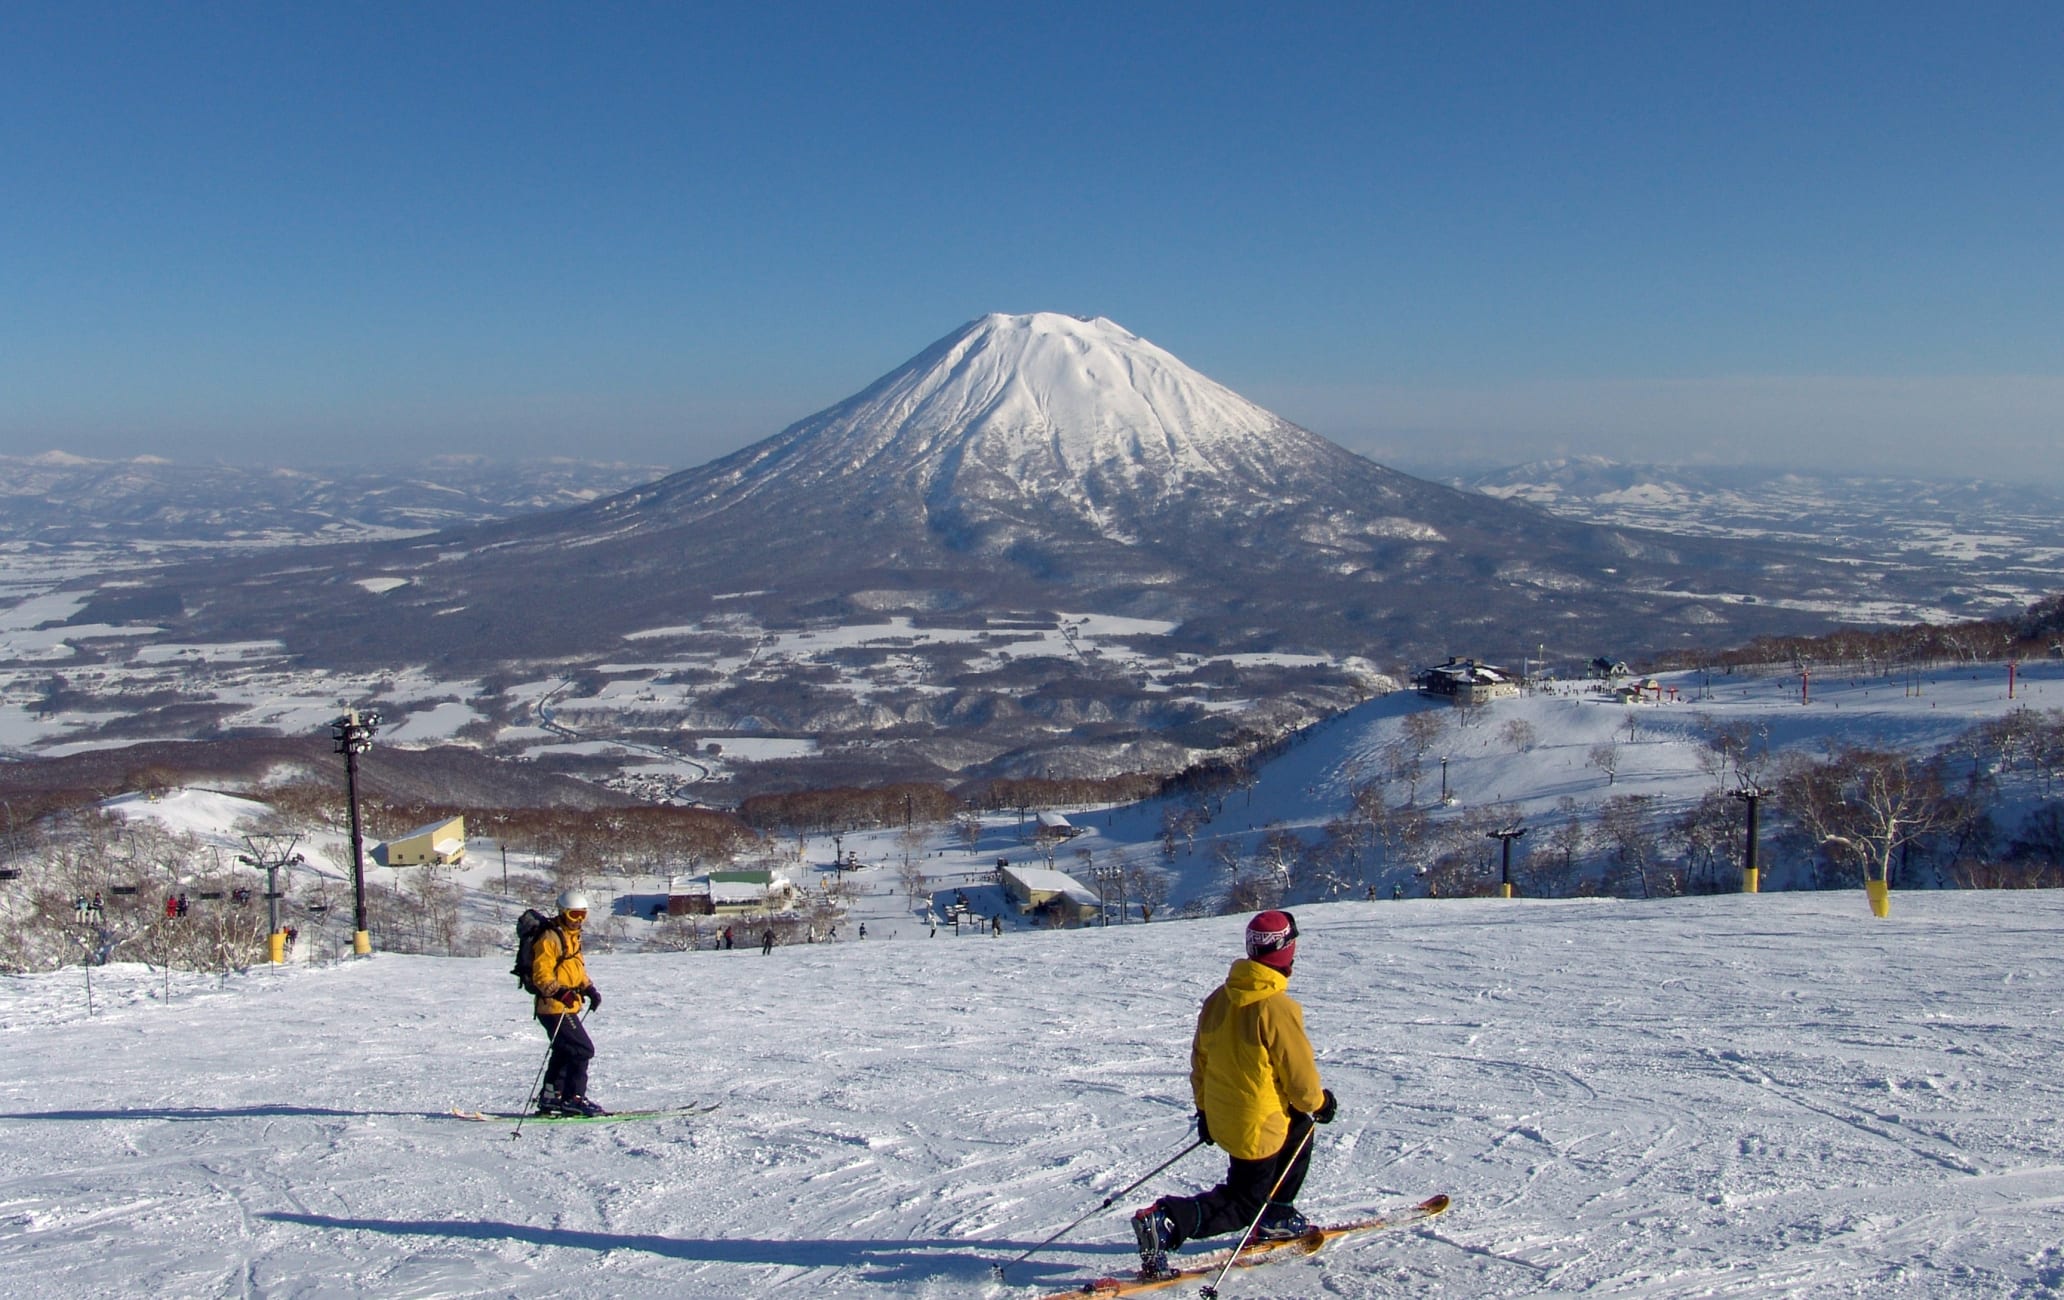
x=354 y=736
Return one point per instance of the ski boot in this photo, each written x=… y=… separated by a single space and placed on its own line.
x=1281 y=1222
x=1155 y=1232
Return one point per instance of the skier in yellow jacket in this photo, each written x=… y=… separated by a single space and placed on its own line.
x=1258 y=1093
x=560 y=976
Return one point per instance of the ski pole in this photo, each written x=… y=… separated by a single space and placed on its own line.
x=1211 y=1292
x=998 y=1268
x=539 y=1082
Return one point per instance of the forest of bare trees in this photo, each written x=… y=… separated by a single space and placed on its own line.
x=1917 y=820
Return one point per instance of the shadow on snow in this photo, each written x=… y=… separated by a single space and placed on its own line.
x=884 y=1261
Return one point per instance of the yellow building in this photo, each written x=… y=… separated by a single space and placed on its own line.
x=443 y=843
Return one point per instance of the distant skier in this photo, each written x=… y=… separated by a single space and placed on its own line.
x=1257 y=1091
x=560 y=976
x=766 y=941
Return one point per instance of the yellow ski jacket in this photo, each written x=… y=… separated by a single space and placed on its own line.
x=557 y=970
x=1250 y=1062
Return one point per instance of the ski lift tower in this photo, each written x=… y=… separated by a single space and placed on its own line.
x=354 y=736
x=1505 y=838
x=269 y=853
x=1752 y=796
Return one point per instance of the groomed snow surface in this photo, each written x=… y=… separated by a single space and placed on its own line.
x=1744 y=1096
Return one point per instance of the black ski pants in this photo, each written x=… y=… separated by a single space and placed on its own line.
x=1232 y=1205
x=566 y=1072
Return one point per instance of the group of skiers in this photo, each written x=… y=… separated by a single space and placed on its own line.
x=1253 y=1079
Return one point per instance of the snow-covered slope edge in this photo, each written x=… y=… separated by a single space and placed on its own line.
x=1752 y=1096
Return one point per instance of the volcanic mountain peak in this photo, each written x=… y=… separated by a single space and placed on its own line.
x=1085 y=391
x=1045 y=411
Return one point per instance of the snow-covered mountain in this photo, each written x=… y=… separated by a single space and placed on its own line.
x=1028 y=420
x=1019 y=468
x=1041 y=461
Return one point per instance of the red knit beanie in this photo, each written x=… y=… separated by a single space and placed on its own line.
x=1272 y=939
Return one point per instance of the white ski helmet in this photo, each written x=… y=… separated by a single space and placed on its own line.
x=573 y=900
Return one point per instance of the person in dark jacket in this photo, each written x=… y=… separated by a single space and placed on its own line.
x=560 y=976
x=1257 y=1091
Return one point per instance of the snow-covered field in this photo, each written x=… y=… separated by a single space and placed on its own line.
x=1745 y=1096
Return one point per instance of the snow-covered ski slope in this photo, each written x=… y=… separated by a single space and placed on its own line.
x=1742 y=1096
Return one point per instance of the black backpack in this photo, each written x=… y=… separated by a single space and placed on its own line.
x=528 y=927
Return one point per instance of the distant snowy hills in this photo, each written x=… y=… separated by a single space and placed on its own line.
x=58 y=498
x=1982 y=542
x=1042 y=546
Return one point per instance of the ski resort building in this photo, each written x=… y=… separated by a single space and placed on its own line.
x=440 y=843
x=730 y=893
x=1042 y=889
x=1465 y=681
x=1053 y=828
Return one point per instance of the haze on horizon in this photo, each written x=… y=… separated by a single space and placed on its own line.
x=1756 y=235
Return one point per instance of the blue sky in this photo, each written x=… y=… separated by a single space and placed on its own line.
x=1827 y=233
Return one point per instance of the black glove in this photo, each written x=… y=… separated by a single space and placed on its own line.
x=1203 y=1133
x=594 y=997
x=1328 y=1108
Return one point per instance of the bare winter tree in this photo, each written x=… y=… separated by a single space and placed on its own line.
x=1340 y=857
x=1552 y=866
x=1520 y=734
x=1398 y=765
x=1707 y=836
x=1421 y=732
x=1280 y=854
x=1605 y=756
x=911 y=877
x=1252 y=892
x=2041 y=838
x=1867 y=805
x=1147 y=886
x=1627 y=833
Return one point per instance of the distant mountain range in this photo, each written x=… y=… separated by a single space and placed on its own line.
x=1044 y=462
x=1041 y=545
x=1974 y=545
x=61 y=499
